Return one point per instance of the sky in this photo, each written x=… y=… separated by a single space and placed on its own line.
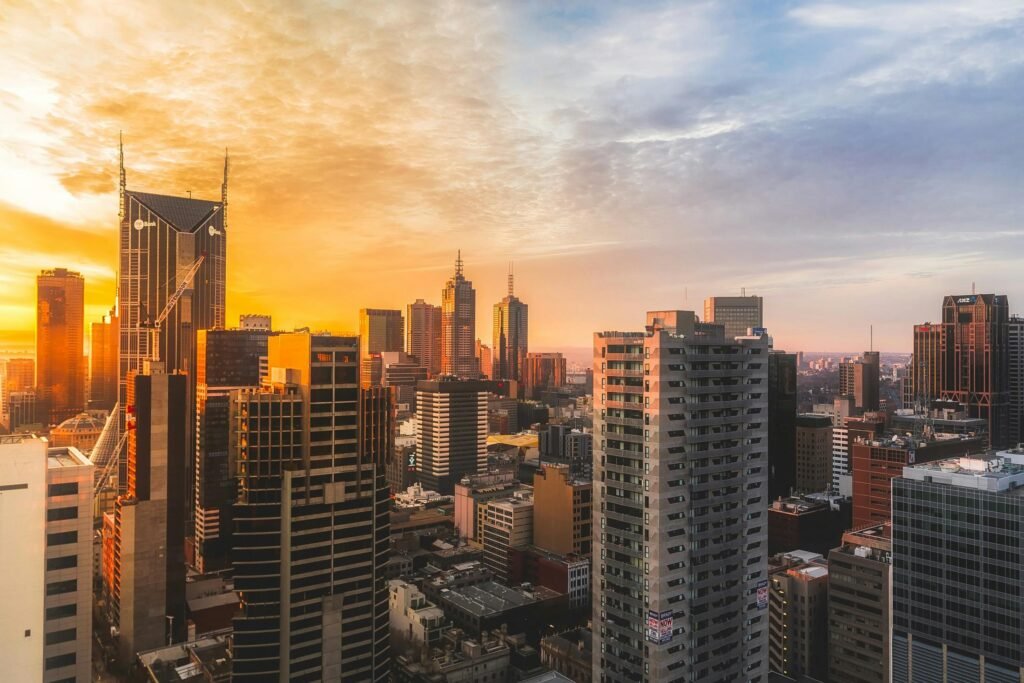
x=850 y=162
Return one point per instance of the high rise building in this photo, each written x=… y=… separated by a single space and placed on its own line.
x=782 y=406
x=380 y=330
x=737 y=313
x=511 y=332
x=458 y=326
x=859 y=591
x=23 y=471
x=25 y=413
x=1015 y=384
x=680 y=529
x=19 y=376
x=225 y=360
x=485 y=358
x=60 y=325
x=859 y=379
x=423 y=335
x=451 y=433
x=813 y=452
x=161 y=237
x=544 y=371
x=402 y=372
x=149 y=520
x=979 y=368
x=956 y=558
x=798 y=616
x=103 y=363
x=565 y=507
x=312 y=518
x=579 y=452
x=876 y=462
x=929 y=366
x=69 y=566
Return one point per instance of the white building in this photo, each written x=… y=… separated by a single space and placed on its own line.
x=841 y=460
x=414 y=620
x=680 y=516
x=69 y=566
x=23 y=538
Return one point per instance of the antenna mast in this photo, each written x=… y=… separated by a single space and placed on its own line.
x=458 y=264
x=511 y=280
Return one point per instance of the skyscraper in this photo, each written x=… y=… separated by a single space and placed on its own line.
x=1015 y=374
x=543 y=371
x=161 y=237
x=859 y=379
x=956 y=562
x=149 y=520
x=312 y=518
x=458 y=326
x=511 y=331
x=813 y=452
x=680 y=528
x=781 y=424
x=979 y=368
x=929 y=366
x=737 y=313
x=423 y=335
x=103 y=363
x=60 y=368
x=380 y=330
x=451 y=434
x=19 y=376
x=485 y=359
x=225 y=360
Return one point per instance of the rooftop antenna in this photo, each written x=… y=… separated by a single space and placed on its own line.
x=224 y=190
x=872 y=338
x=743 y=291
x=511 y=280
x=972 y=288
x=189 y=193
x=458 y=264
x=121 y=181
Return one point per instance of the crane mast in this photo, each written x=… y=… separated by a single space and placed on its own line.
x=186 y=282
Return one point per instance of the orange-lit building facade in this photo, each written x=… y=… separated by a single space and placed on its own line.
x=60 y=363
x=563 y=508
x=543 y=371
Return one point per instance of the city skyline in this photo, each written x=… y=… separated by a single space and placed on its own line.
x=794 y=151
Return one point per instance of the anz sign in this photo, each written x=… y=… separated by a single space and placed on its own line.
x=967 y=299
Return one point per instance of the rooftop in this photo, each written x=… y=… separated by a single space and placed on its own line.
x=491 y=598
x=83 y=422
x=1000 y=471
x=66 y=457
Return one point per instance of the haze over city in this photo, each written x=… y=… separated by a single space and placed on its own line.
x=849 y=163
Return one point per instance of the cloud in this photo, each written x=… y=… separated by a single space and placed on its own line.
x=814 y=150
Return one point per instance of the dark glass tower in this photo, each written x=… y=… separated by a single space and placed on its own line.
x=458 y=326
x=511 y=318
x=782 y=405
x=312 y=518
x=225 y=360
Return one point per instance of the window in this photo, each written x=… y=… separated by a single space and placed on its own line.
x=62 y=611
x=60 y=661
x=59 y=587
x=65 y=562
x=65 y=636
x=68 y=489
x=62 y=538
x=57 y=514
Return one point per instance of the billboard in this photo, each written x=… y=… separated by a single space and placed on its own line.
x=762 y=594
x=659 y=627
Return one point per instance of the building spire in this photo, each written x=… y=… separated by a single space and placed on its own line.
x=121 y=177
x=224 y=189
x=511 y=280
x=458 y=264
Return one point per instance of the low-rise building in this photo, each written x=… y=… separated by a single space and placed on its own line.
x=462 y=659
x=487 y=606
x=569 y=653
x=415 y=621
x=508 y=525
x=798 y=615
x=472 y=493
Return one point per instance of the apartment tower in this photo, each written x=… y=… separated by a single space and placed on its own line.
x=423 y=335
x=681 y=486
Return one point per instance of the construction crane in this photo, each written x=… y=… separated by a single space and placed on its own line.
x=172 y=300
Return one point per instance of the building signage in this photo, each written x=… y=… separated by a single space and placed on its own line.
x=967 y=299
x=760 y=331
x=659 y=627
x=762 y=594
